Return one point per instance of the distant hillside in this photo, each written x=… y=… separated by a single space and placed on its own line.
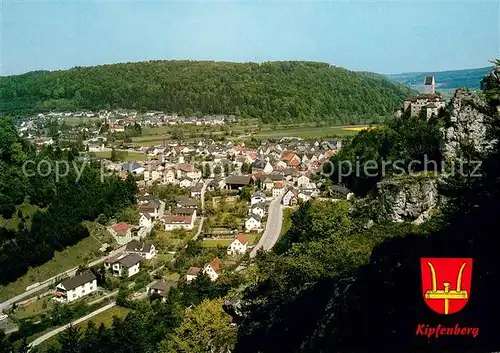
x=445 y=80
x=274 y=91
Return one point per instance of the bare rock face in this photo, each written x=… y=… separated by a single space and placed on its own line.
x=466 y=128
x=409 y=199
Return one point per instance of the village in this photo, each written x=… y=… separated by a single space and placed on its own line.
x=205 y=207
x=227 y=209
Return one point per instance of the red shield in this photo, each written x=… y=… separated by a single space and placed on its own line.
x=446 y=283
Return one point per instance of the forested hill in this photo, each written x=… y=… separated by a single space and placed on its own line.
x=273 y=91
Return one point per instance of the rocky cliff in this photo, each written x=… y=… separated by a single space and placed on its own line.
x=412 y=198
x=466 y=127
x=409 y=199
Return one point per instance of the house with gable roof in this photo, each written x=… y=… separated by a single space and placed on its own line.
x=259 y=196
x=238 y=246
x=146 y=250
x=258 y=209
x=290 y=198
x=124 y=265
x=74 y=288
x=253 y=222
x=213 y=269
x=192 y=273
x=278 y=189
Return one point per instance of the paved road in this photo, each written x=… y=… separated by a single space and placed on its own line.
x=8 y=303
x=200 y=227
x=205 y=184
x=76 y=322
x=273 y=227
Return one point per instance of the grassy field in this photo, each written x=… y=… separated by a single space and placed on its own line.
x=165 y=257
x=151 y=141
x=155 y=136
x=38 y=307
x=173 y=276
x=287 y=221
x=304 y=132
x=84 y=251
x=209 y=243
x=216 y=242
x=12 y=223
x=106 y=317
x=173 y=240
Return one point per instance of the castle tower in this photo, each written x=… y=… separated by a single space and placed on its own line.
x=429 y=85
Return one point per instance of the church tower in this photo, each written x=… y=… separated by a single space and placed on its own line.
x=429 y=85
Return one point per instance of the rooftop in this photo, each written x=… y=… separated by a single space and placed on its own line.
x=78 y=280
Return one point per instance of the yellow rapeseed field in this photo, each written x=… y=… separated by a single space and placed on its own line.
x=358 y=128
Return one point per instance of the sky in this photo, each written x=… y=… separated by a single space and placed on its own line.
x=379 y=36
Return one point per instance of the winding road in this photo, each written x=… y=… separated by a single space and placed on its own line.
x=273 y=227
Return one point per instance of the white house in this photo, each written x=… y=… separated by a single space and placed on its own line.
x=132 y=167
x=303 y=181
x=192 y=273
x=145 y=250
x=186 y=170
x=154 y=207
x=253 y=222
x=258 y=209
x=76 y=287
x=262 y=165
x=267 y=184
x=186 y=182
x=339 y=192
x=152 y=175
x=169 y=176
x=238 y=245
x=278 y=189
x=161 y=288
x=125 y=265
x=305 y=195
x=290 y=198
x=257 y=197
x=178 y=222
x=213 y=269
x=185 y=211
x=145 y=220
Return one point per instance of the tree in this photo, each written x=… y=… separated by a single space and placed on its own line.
x=245 y=168
x=218 y=170
x=131 y=188
x=206 y=328
x=128 y=215
x=5 y=344
x=24 y=346
x=316 y=220
x=177 y=134
x=341 y=94
x=70 y=340
x=114 y=155
x=102 y=219
x=246 y=193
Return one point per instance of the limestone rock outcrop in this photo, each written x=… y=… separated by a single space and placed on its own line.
x=466 y=128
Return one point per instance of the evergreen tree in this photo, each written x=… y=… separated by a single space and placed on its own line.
x=70 y=340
